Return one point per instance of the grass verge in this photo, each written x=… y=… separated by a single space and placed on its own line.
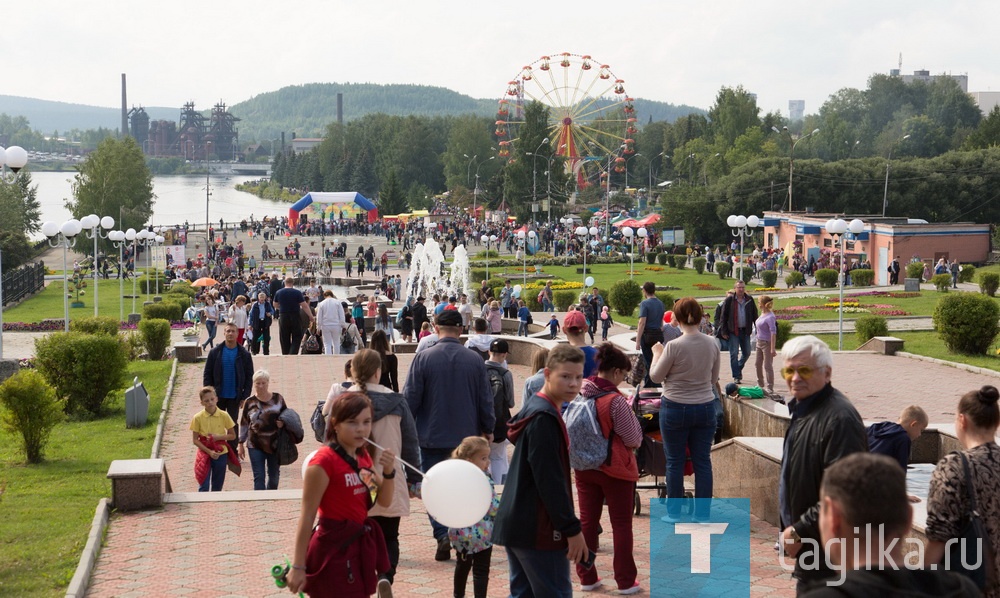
x=922 y=343
x=47 y=508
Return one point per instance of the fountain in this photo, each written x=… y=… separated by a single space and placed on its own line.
x=427 y=275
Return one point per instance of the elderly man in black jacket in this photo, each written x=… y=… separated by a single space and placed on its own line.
x=825 y=427
x=229 y=369
x=736 y=321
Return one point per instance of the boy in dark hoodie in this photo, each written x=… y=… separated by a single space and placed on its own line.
x=894 y=439
x=536 y=522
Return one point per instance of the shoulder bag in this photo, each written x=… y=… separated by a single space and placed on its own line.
x=973 y=541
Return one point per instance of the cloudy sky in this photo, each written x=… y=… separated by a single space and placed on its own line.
x=682 y=53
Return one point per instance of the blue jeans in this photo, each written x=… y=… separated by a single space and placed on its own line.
x=258 y=461
x=547 y=305
x=690 y=427
x=210 y=329
x=216 y=474
x=739 y=342
x=429 y=457
x=539 y=573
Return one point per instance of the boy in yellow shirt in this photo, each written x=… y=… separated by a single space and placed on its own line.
x=210 y=429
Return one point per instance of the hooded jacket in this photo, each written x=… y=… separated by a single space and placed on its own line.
x=536 y=509
x=394 y=429
x=624 y=431
x=890 y=439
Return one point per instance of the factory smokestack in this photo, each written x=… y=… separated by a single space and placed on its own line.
x=124 y=131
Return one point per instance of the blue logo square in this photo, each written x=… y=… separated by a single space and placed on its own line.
x=699 y=547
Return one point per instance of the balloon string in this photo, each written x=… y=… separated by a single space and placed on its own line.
x=416 y=469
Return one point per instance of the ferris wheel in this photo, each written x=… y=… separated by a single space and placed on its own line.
x=592 y=119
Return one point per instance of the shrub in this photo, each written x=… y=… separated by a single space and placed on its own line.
x=915 y=270
x=530 y=297
x=723 y=269
x=148 y=284
x=769 y=278
x=155 y=335
x=182 y=288
x=784 y=333
x=164 y=310
x=826 y=278
x=83 y=368
x=966 y=322
x=967 y=274
x=29 y=408
x=98 y=325
x=667 y=299
x=625 y=296
x=941 y=282
x=661 y=258
x=699 y=264
x=746 y=274
x=794 y=279
x=680 y=261
x=988 y=283
x=182 y=300
x=651 y=258
x=492 y=254
x=132 y=345
x=870 y=326
x=565 y=298
x=862 y=277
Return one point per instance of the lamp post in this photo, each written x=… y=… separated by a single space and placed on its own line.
x=157 y=240
x=534 y=171
x=524 y=240
x=626 y=168
x=582 y=232
x=791 y=156
x=144 y=238
x=118 y=239
x=93 y=225
x=837 y=227
x=742 y=227
x=488 y=240
x=64 y=236
x=468 y=168
x=632 y=234
x=885 y=192
x=208 y=194
x=567 y=223
x=12 y=159
x=475 y=192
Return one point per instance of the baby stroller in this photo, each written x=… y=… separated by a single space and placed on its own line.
x=650 y=456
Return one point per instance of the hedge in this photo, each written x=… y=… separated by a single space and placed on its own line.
x=988 y=283
x=31 y=410
x=869 y=326
x=661 y=259
x=699 y=264
x=941 y=282
x=826 y=278
x=862 y=277
x=667 y=299
x=164 y=310
x=769 y=278
x=723 y=269
x=915 y=270
x=155 y=337
x=794 y=279
x=96 y=325
x=564 y=299
x=625 y=296
x=83 y=368
x=967 y=322
x=967 y=274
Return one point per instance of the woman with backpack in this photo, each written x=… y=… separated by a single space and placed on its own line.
x=350 y=338
x=613 y=481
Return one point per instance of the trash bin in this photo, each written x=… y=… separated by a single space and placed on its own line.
x=136 y=405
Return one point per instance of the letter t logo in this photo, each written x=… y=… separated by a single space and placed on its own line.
x=701 y=543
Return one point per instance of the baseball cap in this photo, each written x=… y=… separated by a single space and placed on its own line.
x=448 y=317
x=420 y=298
x=499 y=346
x=574 y=320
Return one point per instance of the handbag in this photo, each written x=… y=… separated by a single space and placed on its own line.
x=973 y=534
x=285 y=448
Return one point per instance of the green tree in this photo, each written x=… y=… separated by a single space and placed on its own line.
x=363 y=178
x=469 y=145
x=734 y=112
x=114 y=181
x=987 y=134
x=19 y=208
x=391 y=198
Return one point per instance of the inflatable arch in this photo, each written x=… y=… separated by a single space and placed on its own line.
x=331 y=206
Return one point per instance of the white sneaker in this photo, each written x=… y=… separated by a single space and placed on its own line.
x=633 y=590
x=383 y=589
x=590 y=587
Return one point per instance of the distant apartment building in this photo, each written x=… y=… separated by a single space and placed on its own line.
x=796 y=110
x=986 y=100
x=927 y=77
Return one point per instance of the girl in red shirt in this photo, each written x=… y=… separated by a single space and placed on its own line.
x=345 y=554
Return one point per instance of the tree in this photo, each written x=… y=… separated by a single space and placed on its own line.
x=363 y=178
x=114 y=181
x=469 y=142
x=987 y=134
x=391 y=198
x=734 y=112
x=19 y=208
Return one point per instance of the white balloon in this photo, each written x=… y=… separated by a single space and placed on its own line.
x=456 y=493
x=305 y=462
x=589 y=281
x=517 y=291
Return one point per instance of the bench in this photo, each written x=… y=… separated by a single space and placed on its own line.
x=137 y=483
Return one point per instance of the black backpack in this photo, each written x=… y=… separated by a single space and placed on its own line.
x=500 y=408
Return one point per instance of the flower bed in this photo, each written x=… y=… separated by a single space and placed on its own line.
x=654 y=268
x=55 y=325
x=704 y=286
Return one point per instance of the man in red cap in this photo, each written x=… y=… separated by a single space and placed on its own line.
x=575 y=327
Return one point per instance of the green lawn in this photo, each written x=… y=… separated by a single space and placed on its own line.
x=47 y=508
x=49 y=303
x=921 y=343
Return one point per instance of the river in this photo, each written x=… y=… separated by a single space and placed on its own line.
x=177 y=198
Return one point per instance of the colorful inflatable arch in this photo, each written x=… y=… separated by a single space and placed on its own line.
x=331 y=206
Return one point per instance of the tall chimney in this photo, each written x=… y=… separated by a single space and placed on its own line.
x=124 y=131
x=340 y=108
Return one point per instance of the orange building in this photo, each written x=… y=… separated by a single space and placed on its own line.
x=882 y=240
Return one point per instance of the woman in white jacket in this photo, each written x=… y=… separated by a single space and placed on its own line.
x=330 y=320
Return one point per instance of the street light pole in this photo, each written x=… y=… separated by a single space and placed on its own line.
x=475 y=193
x=63 y=236
x=742 y=227
x=93 y=225
x=791 y=156
x=118 y=238
x=13 y=158
x=836 y=228
x=582 y=232
x=468 y=168
x=885 y=191
x=626 y=168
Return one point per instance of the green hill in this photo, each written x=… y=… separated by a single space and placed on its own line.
x=48 y=116
x=308 y=109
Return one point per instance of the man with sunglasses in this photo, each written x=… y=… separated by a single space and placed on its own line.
x=825 y=427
